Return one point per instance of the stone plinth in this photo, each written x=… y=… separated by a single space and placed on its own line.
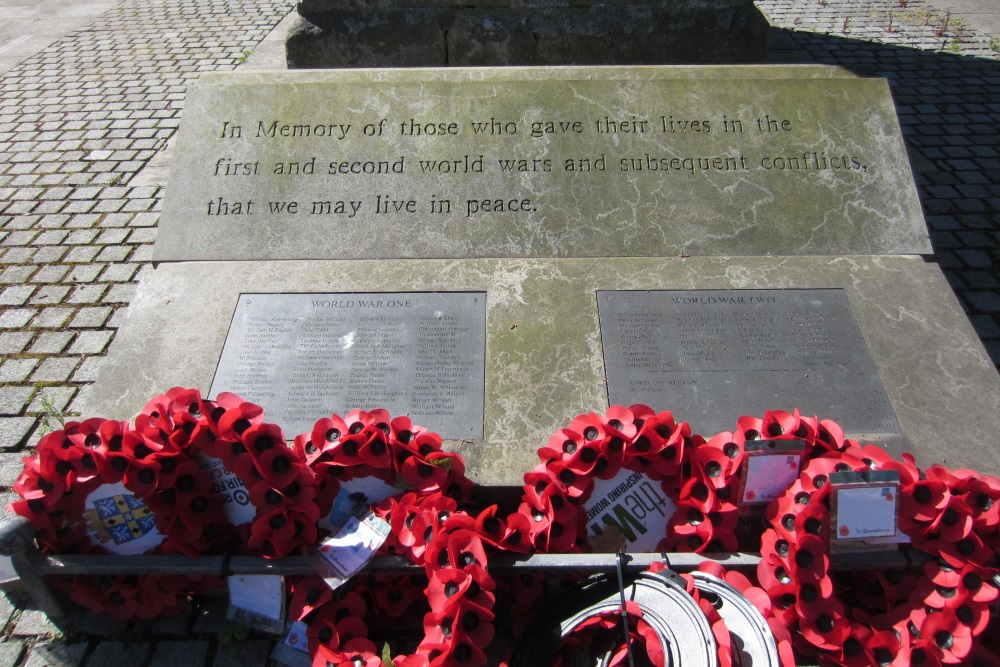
x=544 y=361
x=435 y=33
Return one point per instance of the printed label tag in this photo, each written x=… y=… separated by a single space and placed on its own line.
x=120 y=522
x=632 y=504
x=235 y=498
x=257 y=601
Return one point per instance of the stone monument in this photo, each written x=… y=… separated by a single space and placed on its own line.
x=437 y=33
x=494 y=251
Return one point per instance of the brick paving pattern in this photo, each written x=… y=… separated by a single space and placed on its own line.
x=80 y=119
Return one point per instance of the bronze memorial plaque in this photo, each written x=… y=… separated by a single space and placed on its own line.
x=710 y=356
x=305 y=356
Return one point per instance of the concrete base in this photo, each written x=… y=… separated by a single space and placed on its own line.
x=338 y=33
x=543 y=342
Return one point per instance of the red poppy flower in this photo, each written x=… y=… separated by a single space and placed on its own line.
x=71 y=452
x=516 y=534
x=954 y=520
x=815 y=597
x=690 y=529
x=450 y=588
x=710 y=464
x=32 y=484
x=404 y=431
x=429 y=474
x=359 y=652
x=827 y=631
x=626 y=422
x=942 y=631
x=669 y=458
x=562 y=446
x=395 y=596
x=970 y=581
x=457 y=549
x=829 y=436
x=142 y=477
x=234 y=421
x=808 y=559
x=782 y=514
x=969 y=549
x=983 y=496
x=326 y=433
x=923 y=500
x=467 y=621
x=696 y=493
x=279 y=533
x=884 y=647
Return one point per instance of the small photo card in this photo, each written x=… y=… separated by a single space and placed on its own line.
x=362 y=491
x=339 y=557
x=864 y=511
x=769 y=468
x=258 y=601
x=293 y=649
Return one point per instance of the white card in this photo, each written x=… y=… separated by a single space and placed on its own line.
x=865 y=512
x=768 y=476
x=258 y=600
x=353 y=545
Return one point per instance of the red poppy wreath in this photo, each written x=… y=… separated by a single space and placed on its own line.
x=102 y=486
x=648 y=478
x=929 y=617
x=400 y=469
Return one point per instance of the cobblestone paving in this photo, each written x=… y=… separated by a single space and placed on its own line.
x=80 y=119
x=945 y=80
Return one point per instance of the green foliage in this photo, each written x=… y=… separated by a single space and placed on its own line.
x=52 y=418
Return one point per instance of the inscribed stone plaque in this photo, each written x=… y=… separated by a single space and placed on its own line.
x=305 y=356
x=713 y=355
x=584 y=167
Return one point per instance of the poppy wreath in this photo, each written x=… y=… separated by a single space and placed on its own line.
x=278 y=481
x=892 y=618
x=456 y=586
x=707 y=512
x=697 y=475
x=168 y=499
x=602 y=633
x=427 y=527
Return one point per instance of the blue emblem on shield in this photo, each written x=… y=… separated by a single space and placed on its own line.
x=123 y=518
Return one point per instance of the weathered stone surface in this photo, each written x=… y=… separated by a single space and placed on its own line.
x=349 y=33
x=544 y=357
x=713 y=353
x=596 y=165
x=420 y=354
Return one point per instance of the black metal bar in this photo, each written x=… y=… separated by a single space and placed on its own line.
x=299 y=565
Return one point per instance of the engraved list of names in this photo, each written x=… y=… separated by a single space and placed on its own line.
x=304 y=356
x=711 y=356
